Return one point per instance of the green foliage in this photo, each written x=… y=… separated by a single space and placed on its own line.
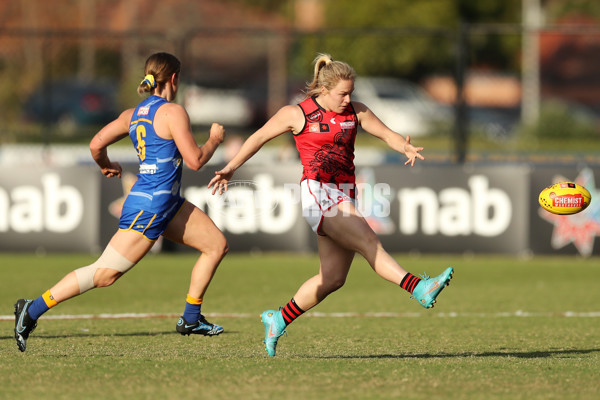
x=403 y=54
x=403 y=38
x=9 y=92
x=410 y=39
x=395 y=38
x=108 y=63
x=390 y=13
x=489 y=11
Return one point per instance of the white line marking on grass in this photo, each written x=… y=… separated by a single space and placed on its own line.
x=519 y=313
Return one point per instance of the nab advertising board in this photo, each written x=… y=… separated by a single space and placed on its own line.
x=447 y=209
x=428 y=209
x=50 y=209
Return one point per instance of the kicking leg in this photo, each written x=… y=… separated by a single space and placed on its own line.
x=349 y=229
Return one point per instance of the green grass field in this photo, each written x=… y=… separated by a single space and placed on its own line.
x=504 y=329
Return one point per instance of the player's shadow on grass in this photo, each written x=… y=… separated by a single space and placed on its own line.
x=91 y=335
x=516 y=354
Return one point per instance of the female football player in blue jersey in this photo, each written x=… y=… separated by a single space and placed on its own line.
x=162 y=137
x=324 y=127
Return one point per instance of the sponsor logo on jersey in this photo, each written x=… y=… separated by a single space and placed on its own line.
x=315 y=116
x=324 y=127
x=348 y=124
x=144 y=110
x=148 y=169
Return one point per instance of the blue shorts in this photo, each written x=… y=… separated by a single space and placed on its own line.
x=147 y=223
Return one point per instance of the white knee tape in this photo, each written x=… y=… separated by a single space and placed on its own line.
x=110 y=258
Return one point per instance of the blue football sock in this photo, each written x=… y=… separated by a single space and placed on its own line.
x=37 y=308
x=192 y=312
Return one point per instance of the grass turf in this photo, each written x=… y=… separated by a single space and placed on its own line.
x=498 y=332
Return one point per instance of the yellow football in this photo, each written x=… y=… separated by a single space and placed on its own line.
x=565 y=198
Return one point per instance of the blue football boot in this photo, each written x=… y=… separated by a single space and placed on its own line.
x=200 y=327
x=24 y=324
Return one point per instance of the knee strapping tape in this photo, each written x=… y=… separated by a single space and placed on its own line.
x=110 y=258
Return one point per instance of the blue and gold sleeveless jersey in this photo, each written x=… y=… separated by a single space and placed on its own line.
x=157 y=189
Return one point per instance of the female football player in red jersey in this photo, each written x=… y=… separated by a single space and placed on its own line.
x=162 y=137
x=324 y=126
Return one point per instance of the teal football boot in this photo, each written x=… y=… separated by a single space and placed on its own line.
x=429 y=288
x=274 y=328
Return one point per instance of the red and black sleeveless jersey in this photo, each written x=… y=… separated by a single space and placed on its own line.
x=326 y=143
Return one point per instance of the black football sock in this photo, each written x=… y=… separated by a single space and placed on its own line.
x=291 y=311
x=410 y=282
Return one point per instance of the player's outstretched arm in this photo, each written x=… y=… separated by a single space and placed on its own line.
x=288 y=118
